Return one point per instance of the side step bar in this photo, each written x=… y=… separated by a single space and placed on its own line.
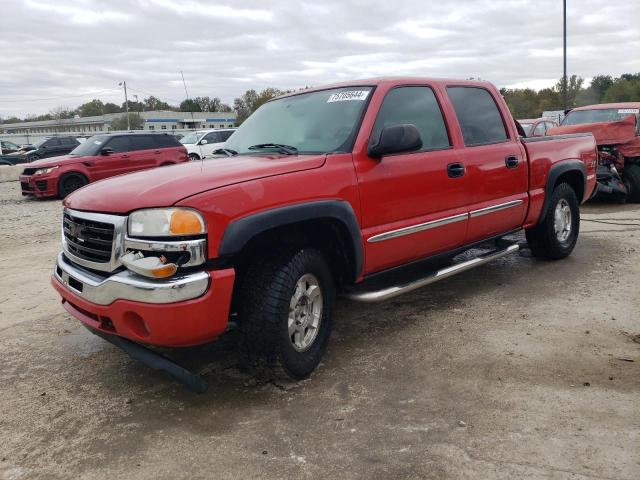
x=396 y=290
x=190 y=379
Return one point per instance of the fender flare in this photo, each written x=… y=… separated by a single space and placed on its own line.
x=555 y=172
x=239 y=232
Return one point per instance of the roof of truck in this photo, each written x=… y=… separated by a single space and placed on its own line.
x=603 y=106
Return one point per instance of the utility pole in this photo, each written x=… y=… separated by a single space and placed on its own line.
x=564 y=51
x=126 y=103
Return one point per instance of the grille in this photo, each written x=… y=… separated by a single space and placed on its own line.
x=41 y=184
x=88 y=239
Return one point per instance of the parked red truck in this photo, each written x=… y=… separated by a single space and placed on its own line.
x=100 y=157
x=326 y=190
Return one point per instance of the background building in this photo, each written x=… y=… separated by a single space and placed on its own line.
x=153 y=120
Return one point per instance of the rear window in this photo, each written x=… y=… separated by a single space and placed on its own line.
x=478 y=115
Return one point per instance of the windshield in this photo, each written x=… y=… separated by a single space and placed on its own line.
x=191 y=138
x=90 y=147
x=526 y=126
x=578 y=117
x=314 y=122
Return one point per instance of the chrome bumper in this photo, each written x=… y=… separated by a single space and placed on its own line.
x=125 y=285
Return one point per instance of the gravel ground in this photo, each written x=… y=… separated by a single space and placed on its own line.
x=519 y=369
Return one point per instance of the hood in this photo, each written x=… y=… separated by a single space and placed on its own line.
x=53 y=161
x=164 y=186
x=605 y=133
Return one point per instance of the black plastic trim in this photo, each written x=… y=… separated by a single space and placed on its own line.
x=555 y=172
x=241 y=231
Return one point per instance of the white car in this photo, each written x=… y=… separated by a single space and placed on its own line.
x=203 y=143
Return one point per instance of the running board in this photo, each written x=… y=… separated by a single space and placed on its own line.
x=396 y=290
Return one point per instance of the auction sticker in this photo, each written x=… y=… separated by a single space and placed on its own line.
x=349 y=95
x=633 y=111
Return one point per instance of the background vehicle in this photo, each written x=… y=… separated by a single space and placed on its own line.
x=363 y=188
x=8 y=147
x=101 y=156
x=536 y=127
x=203 y=143
x=616 y=128
x=51 y=147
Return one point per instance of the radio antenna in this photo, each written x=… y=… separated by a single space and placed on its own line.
x=193 y=122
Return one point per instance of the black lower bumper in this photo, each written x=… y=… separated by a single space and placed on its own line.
x=155 y=360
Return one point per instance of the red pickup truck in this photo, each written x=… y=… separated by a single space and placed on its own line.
x=332 y=189
x=100 y=157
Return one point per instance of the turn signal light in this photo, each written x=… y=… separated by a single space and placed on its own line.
x=152 y=267
x=184 y=222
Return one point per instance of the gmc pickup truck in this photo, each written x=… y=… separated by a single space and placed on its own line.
x=337 y=189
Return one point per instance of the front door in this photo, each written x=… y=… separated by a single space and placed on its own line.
x=413 y=204
x=115 y=163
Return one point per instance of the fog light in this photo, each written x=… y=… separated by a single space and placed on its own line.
x=152 y=267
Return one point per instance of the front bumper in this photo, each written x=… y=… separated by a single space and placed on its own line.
x=38 y=186
x=181 y=311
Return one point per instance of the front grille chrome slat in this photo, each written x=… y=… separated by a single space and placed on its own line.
x=93 y=240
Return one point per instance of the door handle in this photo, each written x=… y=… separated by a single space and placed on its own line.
x=157 y=151
x=511 y=161
x=455 y=170
x=125 y=156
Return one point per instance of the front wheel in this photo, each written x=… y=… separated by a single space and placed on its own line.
x=631 y=178
x=194 y=157
x=70 y=182
x=556 y=234
x=285 y=312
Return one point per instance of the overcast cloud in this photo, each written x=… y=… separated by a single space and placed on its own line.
x=69 y=49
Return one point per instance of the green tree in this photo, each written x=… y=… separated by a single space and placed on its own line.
x=91 y=109
x=190 y=105
x=251 y=100
x=153 y=103
x=600 y=84
x=111 y=108
x=574 y=85
x=120 y=123
x=623 y=90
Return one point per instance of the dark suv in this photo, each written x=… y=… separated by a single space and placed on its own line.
x=51 y=147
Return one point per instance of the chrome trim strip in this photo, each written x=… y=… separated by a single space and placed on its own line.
x=126 y=285
x=117 y=247
x=417 y=228
x=197 y=249
x=395 y=290
x=494 y=208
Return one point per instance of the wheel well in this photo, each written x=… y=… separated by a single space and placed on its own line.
x=328 y=235
x=77 y=174
x=575 y=179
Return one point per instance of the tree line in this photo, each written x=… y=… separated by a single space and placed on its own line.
x=523 y=102
x=528 y=103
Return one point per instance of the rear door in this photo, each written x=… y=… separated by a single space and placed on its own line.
x=412 y=205
x=495 y=163
x=144 y=153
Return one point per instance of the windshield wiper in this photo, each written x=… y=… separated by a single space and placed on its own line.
x=227 y=151
x=286 y=149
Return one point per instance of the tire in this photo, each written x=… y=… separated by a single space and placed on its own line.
x=70 y=182
x=194 y=157
x=276 y=330
x=631 y=177
x=555 y=240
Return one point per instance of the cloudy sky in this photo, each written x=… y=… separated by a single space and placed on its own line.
x=65 y=52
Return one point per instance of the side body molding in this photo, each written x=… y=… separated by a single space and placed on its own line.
x=555 y=172
x=241 y=231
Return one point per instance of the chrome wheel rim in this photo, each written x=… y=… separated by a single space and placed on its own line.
x=562 y=220
x=305 y=312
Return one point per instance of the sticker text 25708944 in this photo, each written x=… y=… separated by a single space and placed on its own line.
x=348 y=95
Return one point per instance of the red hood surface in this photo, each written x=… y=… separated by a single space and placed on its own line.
x=54 y=161
x=605 y=133
x=164 y=186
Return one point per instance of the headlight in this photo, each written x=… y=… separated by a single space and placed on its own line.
x=44 y=171
x=166 y=222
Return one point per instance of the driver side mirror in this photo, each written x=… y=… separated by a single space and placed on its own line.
x=203 y=142
x=106 y=151
x=395 y=139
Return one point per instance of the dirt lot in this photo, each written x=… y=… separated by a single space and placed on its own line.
x=519 y=369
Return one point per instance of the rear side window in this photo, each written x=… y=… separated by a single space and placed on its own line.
x=478 y=115
x=118 y=144
x=68 y=141
x=166 y=141
x=52 y=142
x=142 y=142
x=418 y=106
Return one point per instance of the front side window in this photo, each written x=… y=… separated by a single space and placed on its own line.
x=313 y=122
x=478 y=115
x=417 y=106
x=213 y=137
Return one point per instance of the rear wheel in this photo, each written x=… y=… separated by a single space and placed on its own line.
x=285 y=312
x=631 y=178
x=194 y=156
x=70 y=182
x=557 y=233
